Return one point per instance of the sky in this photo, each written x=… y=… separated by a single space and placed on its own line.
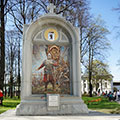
x=104 y=8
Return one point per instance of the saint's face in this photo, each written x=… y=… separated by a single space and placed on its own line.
x=49 y=56
x=55 y=53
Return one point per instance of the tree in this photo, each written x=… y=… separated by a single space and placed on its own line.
x=83 y=21
x=11 y=55
x=100 y=73
x=118 y=10
x=97 y=44
x=19 y=61
x=3 y=6
x=24 y=12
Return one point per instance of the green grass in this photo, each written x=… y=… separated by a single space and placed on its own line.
x=9 y=104
x=104 y=105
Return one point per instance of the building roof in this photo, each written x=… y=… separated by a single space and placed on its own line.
x=116 y=83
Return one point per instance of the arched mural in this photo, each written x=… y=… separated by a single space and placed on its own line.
x=50 y=69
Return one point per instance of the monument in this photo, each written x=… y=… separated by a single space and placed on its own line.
x=51 y=75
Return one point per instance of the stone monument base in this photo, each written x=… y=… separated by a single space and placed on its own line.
x=67 y=106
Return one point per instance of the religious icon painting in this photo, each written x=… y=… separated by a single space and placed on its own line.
x=51 y=34
x=50 y=69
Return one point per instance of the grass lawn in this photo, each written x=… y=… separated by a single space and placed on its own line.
x=104 y=105
x=9 y=104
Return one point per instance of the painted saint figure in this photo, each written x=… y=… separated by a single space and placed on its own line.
x=54 y=70
x=48 y=65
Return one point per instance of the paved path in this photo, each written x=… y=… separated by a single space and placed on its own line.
x=10 y=115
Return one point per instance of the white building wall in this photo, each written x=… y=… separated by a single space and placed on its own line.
x=85 y=86
x=106 y=86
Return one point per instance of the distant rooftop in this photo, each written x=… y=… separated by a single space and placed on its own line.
x=116 y=83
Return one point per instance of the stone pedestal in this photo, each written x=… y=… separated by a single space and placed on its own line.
x=68 y=106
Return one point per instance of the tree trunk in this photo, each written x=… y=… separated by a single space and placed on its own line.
x=11 y=85
x=90 y=71
x=19 y=81
x=2 y=45
x=5 y=87
x=90 y=84
x=11 y=72
x=101 y=86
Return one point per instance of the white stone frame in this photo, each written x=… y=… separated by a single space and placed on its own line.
x=30 y=33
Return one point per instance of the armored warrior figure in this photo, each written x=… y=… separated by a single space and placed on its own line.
x=48 y=65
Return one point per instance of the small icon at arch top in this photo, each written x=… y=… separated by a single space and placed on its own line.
x=51 y=36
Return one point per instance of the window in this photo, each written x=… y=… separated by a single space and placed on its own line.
x=84 y=85
x=105 y=84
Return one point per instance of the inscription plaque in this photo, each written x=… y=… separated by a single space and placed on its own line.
x=53 y=100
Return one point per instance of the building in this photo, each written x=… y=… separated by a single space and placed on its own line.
x=103 y=86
